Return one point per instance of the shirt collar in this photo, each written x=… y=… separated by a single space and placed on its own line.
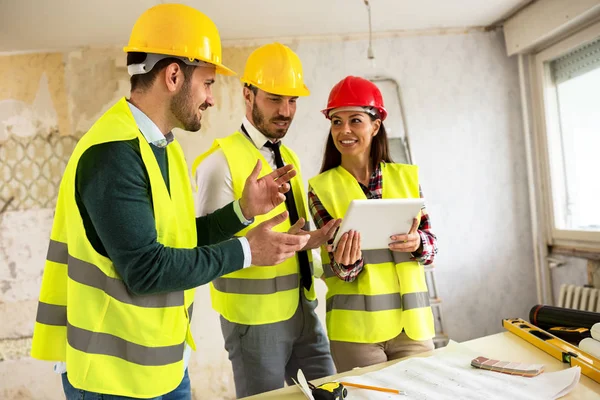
x=256 y=136
x=149 y=129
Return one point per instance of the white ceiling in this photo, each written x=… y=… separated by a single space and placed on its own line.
x=59 y=24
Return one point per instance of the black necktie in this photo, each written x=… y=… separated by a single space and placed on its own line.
x=305 y=273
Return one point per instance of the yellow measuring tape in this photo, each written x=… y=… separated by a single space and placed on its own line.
x=557 y=348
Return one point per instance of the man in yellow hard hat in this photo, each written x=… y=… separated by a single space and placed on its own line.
x=126 y=249
x=268 y=316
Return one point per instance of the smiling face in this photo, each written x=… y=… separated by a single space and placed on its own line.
x=194 y=97
x=353 y=132
x=271 y=114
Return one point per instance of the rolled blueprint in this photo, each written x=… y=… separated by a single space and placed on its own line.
x=590 y=346
x=547 y=317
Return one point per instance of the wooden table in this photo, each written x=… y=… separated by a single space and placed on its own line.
x=501 y=346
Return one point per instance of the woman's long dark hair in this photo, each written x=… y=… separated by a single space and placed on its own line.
x=380 y=150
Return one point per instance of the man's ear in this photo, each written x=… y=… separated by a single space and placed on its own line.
x=173 y=77
x=248 y=96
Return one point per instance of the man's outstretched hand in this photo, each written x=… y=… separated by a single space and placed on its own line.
x=261 y=195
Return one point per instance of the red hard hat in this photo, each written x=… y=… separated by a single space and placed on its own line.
x=353 y=91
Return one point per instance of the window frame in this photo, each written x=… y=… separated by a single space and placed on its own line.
x=546 y=122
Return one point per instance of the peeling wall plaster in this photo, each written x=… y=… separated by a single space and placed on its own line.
x=95 y=78
x=37 y=80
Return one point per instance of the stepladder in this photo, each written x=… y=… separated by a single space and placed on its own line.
x=400 y=150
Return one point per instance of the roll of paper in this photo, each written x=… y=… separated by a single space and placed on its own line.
x=548 y=316
x=590 y=346
x=596 y=331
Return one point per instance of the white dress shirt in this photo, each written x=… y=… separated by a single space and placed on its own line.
x=213 y=177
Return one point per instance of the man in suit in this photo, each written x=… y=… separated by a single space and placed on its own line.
x=267 y=316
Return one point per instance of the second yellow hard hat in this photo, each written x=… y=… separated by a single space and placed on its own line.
x=276 y=69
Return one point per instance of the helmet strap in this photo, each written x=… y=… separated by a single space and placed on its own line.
x=369 y=110
x=152 y=59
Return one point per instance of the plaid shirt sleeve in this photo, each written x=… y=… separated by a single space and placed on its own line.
x=428 y=239
x=320 y=216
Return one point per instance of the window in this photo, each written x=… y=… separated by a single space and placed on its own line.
x=568 y=76
x=575 y=155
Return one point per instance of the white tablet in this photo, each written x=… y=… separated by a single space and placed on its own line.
x=378 y=219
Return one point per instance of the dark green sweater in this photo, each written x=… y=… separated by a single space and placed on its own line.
x=114 y=199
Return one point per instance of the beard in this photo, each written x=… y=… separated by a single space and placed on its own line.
x=182 y=108
x=259 y=122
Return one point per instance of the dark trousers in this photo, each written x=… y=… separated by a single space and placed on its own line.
x=265 y=356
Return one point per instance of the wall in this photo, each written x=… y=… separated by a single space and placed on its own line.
x=570 y=271
x=463 y=117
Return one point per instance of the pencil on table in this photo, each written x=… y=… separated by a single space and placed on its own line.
x=379 y=389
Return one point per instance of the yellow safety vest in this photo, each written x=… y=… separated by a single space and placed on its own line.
x=258 y=295
x=390 y=294
x=113 y=341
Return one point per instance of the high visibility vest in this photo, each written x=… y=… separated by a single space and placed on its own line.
x=258 y=295
x=113 y=341
x=390 y=294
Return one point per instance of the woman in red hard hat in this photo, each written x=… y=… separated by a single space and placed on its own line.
x=377 y=300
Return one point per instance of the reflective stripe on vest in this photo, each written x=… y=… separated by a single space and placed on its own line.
x=257 y=286
x=58 y=252
x=110 y=345
x=90 y=275
x=258 y=295
x=381 y=302
x=51 y=314
x=378 y=256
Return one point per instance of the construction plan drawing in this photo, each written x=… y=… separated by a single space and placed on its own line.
x=449 y=375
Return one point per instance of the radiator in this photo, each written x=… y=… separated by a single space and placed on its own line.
x=579 y=298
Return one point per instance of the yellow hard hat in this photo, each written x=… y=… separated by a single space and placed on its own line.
x=180 y=31
x=276 y=69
